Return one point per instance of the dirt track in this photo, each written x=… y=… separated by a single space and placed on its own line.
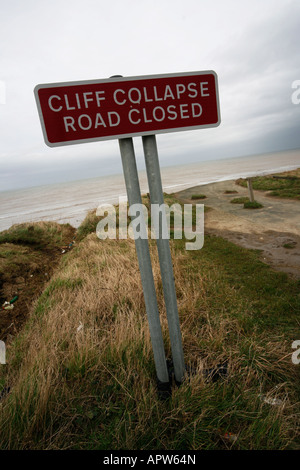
x=274 y=229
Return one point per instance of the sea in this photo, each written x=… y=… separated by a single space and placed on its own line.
x=69 y=202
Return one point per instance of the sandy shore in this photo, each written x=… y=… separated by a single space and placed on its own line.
x=273 y=229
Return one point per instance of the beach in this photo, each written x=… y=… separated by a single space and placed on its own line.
x=69 y=202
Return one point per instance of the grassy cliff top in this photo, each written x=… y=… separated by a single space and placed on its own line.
x=80 y=374
x=283 y=185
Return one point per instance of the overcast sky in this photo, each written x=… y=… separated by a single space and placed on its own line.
x=253 y=46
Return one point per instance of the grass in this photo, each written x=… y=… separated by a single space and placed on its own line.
x=89 y=225
x=252 y=205
x=247 y=203
x=15 y=257
x=28 y=255
x=277 y=187
x=198 y=196
x=23 y=247
x=82 y=374
x=38 y=234
x=240 y=200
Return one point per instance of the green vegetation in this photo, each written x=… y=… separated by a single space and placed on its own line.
x=28 y=255
x=285 y=185
x=198 y=196
x=247 y=203
x=252 y=205
x=240 y=200
x=38 y=235
x=88 y=225
x=81 y=371
x=230 y=191
x=14 y=258
x=289 y=245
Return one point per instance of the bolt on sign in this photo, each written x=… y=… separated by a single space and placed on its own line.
x=115 y=108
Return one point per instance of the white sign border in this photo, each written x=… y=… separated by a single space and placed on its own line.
x=124 y=79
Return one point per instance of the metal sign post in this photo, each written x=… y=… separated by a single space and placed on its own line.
x=164 y=253
x=250 y=187
x=143 y=254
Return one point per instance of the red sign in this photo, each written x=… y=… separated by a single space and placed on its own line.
x=79 y=112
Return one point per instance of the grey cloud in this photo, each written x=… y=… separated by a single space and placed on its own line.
x=256 y=58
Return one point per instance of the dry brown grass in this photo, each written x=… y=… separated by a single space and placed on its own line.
x=82 y=373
